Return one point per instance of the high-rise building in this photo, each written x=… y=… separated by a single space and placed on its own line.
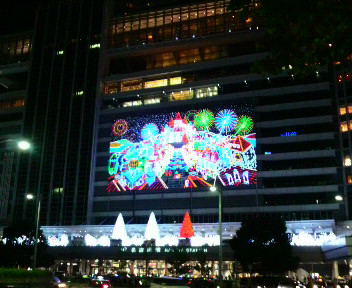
x=14 y=69
x=195 y=59
x=59 y=113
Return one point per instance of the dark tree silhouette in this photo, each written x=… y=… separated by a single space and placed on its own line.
x=18 y=246
x=262 y=245
x=302 y=35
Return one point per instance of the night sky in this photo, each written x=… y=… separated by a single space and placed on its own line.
x=17 y=16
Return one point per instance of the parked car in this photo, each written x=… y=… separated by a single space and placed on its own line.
x=164 y=282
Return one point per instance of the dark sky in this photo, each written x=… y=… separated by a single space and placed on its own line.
x=17 y=16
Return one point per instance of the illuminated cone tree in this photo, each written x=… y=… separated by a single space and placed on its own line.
x=187 y=228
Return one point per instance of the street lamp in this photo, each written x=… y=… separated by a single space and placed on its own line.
x=31 y=197
x=21 y=144
x=218 y=189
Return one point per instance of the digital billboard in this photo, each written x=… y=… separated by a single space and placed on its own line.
x=183 y=149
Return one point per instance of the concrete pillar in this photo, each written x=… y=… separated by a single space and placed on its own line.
x=82 y=266
x=131 y=267
x=166 y=270
x=335 y=270
x=350 y=267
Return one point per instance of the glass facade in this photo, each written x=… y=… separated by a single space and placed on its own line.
x=174 y=24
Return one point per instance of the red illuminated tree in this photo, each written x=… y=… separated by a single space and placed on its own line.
x=187 y=228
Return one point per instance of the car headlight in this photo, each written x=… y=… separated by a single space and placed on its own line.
x=61 y=285
x=315 y=286
x=259 y=287
x=346 y=286
x=338 y=286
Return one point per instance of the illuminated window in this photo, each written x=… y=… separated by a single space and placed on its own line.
x=131 y=85
x=349 y=109
x=343 y=127
x=97 y=45
x=152 y=101
x=79 y=93
x=58 y=190
x=156 y=83
x=182 y=95
x=60 y=52
x=347 y=161
x=132 y=103
x=111 y=88
x=349 y=179
x=342 y=110
x=207 y=92
x=175 y=80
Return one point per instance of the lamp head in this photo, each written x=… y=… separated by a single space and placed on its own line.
x=212 y=188
x=338 y=198
x=23 y=145
x=29 y=196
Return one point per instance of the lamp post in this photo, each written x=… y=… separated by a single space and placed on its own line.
x=218 y=189
x=31 y=197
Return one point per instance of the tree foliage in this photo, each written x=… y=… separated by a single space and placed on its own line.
x=17 y=247
x=262 y=245
x=302 y=35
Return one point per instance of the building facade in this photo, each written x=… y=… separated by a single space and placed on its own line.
x=59 y=113
x=194 y=58
x=14 y=66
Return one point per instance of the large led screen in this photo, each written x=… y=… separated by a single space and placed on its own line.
x=183 y=149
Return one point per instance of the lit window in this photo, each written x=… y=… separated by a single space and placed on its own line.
x=207 y=92
x=79 y=93
x=342 y=110
x=343 y=127
x=349 y=179
x=182 y=95
x=58 y=190
x=175 y=80
x=131 y=85
x=97 y=45
x=156 y=83
x=132 y=103
x=60 y=52
x=347 y=161
x=349 y=109
x=152 y=101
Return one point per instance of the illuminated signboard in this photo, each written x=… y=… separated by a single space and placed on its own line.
x=183 y=149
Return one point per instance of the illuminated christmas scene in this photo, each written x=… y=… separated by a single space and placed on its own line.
x=183 y=150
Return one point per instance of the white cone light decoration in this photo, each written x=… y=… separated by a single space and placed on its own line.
x=152 y=230
x=119 y=231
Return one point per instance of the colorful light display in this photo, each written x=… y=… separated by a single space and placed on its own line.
x=188 y=149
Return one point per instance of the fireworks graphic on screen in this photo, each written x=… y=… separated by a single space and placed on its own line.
x=244 y=125
x=149 y=130
x=204 y=120
x=120 y=127
x=226 y=121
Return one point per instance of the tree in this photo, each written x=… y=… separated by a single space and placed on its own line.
x=302 y=35
x=17 y=247
x=262 y=245
x=187 y=228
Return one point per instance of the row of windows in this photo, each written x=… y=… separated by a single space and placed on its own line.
x=139 y=84
x=173 y=24
x=10 y=104
x=164 y=97
x=13 y=50
x=169 y=59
